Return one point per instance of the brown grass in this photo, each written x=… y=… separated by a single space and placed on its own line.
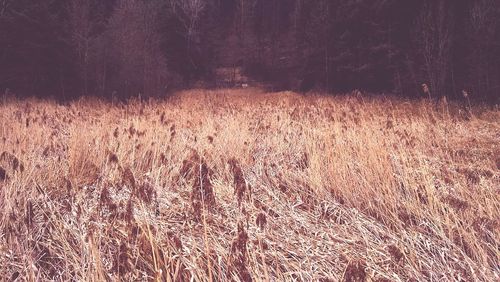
x=245 y=185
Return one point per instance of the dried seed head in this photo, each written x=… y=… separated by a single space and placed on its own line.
x=238 y=255
x=128 y=178
x=129 y=214
x=3 y=174
x=69 y=186
x=425 y=88
x=163 y=159
x=197 y=173
x=131 y=130
x=146 y=193
x=261 y=220
x=122 y=264
x=147 y=160
x=407 y=218
x=355 y=271
x=113 y=158
x=106 y=201
x=10 y=160
x=172 y=132
x=456 y=203
x=175 y=240
x=29 y=214
x=395 y=253
x=389 y=124
x=238 y=181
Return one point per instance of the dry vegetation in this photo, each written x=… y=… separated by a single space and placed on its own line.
x=241 y=185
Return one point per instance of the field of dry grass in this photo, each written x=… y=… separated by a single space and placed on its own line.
x=244 y=185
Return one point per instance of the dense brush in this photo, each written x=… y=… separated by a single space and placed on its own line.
x=245 y=185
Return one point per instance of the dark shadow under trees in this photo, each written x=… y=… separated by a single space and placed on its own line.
x=125 y=48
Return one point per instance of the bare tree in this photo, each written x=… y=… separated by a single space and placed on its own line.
x=483 y=20
x=4 y=5
x=79 y=15
x=137 y=58
x=189 y=13
x=434 y=31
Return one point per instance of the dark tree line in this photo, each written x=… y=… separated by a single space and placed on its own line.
x=126 y=47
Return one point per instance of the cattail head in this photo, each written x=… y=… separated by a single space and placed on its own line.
x=3 y=174
x=239 y=180
x=425 y=88
x=11 y=160
x=113 y=158
x=128 y=177
x=238 y=255
x=355 y=271
x=146 y=192
x=261 y=221
x=174 y=240
x=105 y=200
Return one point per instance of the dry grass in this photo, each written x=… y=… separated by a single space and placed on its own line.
x=241 y=185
